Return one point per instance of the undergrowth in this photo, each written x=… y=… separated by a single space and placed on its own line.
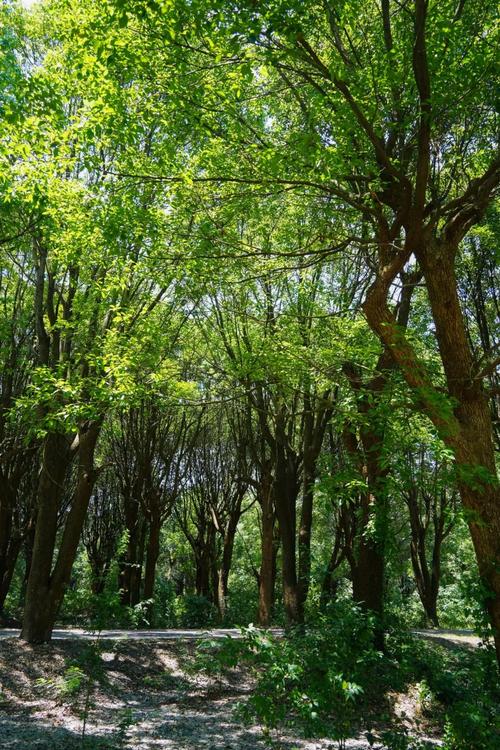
x=328 y=680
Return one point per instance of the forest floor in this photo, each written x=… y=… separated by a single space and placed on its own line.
x=145 y=695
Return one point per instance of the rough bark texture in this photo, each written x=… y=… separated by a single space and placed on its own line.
x=285 y=493
x=152 y=554
x=47 y=583
x=472 y=438
x=464 y=423
x=267 y=572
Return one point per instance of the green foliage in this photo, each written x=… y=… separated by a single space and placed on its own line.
x=466 y=684
x=313 y=680
x=68 y=686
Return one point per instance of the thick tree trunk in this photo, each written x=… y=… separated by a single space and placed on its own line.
x=368 y=573
x=28 y=556
x=466 y=428
x=285 y=491
x=38 y=608
x=98 y=581
x=46 y=586
x=267 y=572
x=473 y=441
x=372 y=547
x=203 y=570
x=367 y=559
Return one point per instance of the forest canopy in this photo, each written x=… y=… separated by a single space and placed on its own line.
x=249 y=339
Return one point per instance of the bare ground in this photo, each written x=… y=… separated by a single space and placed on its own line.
x=150 y=690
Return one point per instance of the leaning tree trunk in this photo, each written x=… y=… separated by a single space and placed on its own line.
x=46 y=584
x=473 y=441
x=466 y=428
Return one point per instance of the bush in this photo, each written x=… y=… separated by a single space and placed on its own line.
x=466 y=685
x=196 y=612
x=313 y=679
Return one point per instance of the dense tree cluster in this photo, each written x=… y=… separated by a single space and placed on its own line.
x=249 y=289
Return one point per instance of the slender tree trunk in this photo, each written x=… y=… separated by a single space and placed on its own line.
x=46 y=586
x=10 y=540
x=285 y=491
x=225 y=567
x=427 y=579
x=152 y=554
x=330 y=583
x=9 y=565
x=137 y=567
x=305 y=530
x=128 y=573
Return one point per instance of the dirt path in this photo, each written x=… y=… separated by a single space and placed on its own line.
x=446 y=637
x=450 y=637
x=77 y=634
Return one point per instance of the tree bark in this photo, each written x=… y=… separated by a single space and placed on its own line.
x=47 y=585
x=465 y=428
x=152 y=554
x=129 y=574
x=472 y=442
x=285 y=491
x=305 y=530
x=225 y=566
x=267 y=573
x=10 y=540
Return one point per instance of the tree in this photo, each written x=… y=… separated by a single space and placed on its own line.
x=101 y=530
x=380 y=114
x=431 y=504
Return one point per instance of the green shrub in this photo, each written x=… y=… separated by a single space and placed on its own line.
x=313 y=679
x=467 y=686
